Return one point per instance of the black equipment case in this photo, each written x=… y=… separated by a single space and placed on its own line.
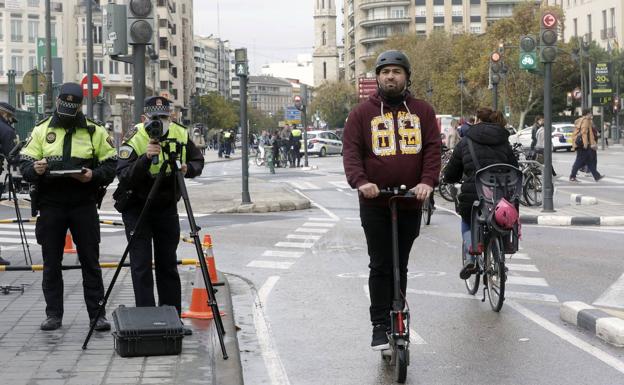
x=147 y=331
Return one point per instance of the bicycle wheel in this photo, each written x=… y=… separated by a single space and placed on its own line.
x=445 y=190
x=427 y=211
x=400 y=366
x=259 y=159
x=495 y=273
x=472 y=283
x=533 y=190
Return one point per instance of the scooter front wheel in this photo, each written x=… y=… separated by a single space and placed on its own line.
x=401 y=363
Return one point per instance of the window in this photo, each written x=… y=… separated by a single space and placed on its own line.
x=33 y=30
x=16 y=30
x=438 y=10
x=17 y=65
x=33 y=3
x=164 y=64
x=1 y=65
x=575 y=23
x=324 y=38
x=324 y=70
x=128 y=68
x=1 y=29
x=164 y=85
x=113 y=67
x=589 y=28
x=604 y=19
x=457 y=10
x=380 y=31
x=377 y=13
x=421 y=11
x=475 y=10
x=397 y=12
x=53 y=30
x=32 y=62
x=475 y=27
x=162 y=23
x=98 y=66
x=97 y=34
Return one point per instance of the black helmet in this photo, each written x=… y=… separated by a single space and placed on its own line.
x=392 y=57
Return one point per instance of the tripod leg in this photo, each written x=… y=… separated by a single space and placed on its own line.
x=212 y=301
x=137 y=227
x=18 y=216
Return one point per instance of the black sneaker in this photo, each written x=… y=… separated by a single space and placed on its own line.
x=600 y=177
x=468 y=269
x=380 y=337
x=51 y=323
x=101 y=325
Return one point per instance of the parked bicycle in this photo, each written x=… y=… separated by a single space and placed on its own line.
x=532 y=171
x=445 y=189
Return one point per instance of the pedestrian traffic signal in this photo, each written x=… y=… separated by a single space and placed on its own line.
x=140 y=22
x=115 y=22
x=548 y=38
x=495 y=68
x=528 y=52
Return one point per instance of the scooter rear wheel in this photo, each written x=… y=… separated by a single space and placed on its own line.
x=400 y=368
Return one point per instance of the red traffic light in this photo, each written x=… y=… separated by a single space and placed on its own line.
x=549 y=20
x=495 y=57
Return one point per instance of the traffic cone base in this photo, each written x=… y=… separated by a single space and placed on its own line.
x=199 y=308
x=69 y=245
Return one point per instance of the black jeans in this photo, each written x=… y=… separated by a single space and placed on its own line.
x=162 y=227
x=585 y=156
x=83 y=223
x=377 y=226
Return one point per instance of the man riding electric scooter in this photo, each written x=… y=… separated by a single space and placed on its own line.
x=391 y=139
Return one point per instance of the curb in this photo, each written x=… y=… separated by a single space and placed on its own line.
x=580 y=199
x=560 y=220
x=260 y=208
x=604 y=326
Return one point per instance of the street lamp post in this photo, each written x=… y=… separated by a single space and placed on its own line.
x=240 y=56
x=461 y=82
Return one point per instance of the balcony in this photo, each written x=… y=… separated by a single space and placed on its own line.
x=384 y=21
x=366 y=56
x=367 y=4
x=608 y=33
x=374 y=39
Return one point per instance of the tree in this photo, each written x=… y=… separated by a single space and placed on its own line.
x=333 y=101
x=216 y=111
x=260 y=120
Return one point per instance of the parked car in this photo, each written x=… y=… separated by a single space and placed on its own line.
x=324 y=143
x=561 y=136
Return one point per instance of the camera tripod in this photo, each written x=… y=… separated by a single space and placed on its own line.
x=12 y=195
x=171 y=163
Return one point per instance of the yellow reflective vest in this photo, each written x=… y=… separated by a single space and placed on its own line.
x=177 y=138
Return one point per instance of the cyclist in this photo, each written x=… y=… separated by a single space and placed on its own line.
x=491 y=145
x=391 y=139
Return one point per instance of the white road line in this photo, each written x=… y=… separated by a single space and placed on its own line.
x=531 y=296
x=15 y=226
x=613 y=296
x=341 y=185
x=296 y=245
x=521 y=267
x=319 y=224
x=111 y=212
x=270 y=264
x=415 y=338
x=296 y=185
x=272 y=361
x=441 y=294
x=303 y=236
x=17 y=240
x=612 y=180
x=321 y=219
x=16 y=233
x=323 y=209
x=526 y=281
x=519 y=256
x=282 y=254
x=568 y=337
x=308 y=230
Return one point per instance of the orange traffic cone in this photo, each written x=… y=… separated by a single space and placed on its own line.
x=69 y=245
x=210 y=261
x=199 y=308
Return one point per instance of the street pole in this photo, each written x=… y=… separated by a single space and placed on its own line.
x=495 y=96
x=617 y=112
x=48 y=67
x=35 y=77
x=12 y=93
x=305 y=135
x=461 y=95
x=246 y=199
x=89 y=28
x=138 y=80
x=602 y=130
x=548 y=205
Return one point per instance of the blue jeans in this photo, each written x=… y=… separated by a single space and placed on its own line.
x=466 y=241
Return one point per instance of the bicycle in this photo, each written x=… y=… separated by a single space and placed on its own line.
x=490 y=241
x=445 y=189
x=427 y=210
x=398 y=354
x=532 y=171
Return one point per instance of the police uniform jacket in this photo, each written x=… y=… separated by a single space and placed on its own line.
x=137 y=173
x=7 y=137
x=87 y=144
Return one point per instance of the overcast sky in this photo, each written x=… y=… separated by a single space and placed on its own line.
x=271 y=30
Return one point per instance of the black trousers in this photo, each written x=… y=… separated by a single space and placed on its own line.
x=51 y=228
x=377 y=226
x=162 y=228
x=585 y=157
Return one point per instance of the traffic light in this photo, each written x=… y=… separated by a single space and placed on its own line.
x=140 y=22
x=495 y=68
x=616 y=104
x=528 y=52
x=548 y=38
x=115 y=29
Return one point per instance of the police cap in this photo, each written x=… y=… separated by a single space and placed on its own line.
x=9 y=109
x=69 y=99
x=156 y=106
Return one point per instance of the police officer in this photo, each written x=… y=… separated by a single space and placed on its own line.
x=69 y=158
x=7 y=142
x=227 y=142
x=295 y=145
x=137 y=171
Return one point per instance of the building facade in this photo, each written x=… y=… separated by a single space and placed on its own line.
x=212 y=66
x=599 y=20
x=325 y=55
x=302 y=69
x=269 y=94
x=369 y=23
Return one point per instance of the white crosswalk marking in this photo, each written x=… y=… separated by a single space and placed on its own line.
x=17 y=240
x=302 y=185
x=295 y=245
x=309 y=230
x=614 y=296
x=270 y=264
x=518 y=256
x=520 y=267
x=282 y=254
x=304 y=236
x=531 y=296
x=313 y=219
x=341 y=185
x=312 y=224
x=526 y=281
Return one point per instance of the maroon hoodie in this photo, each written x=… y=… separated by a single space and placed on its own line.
x=391 y=145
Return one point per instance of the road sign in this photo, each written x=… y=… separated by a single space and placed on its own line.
x=366 y=87
x=549 y=20
x=30 y=102
x=602 y=90
x=31 y=86
x=292 y=115
x=528 y=61
x=577 y=94
x=97 y=86
x=41 y=51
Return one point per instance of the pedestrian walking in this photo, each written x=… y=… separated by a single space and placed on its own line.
x=584 y=143
x=69 y=159
x=7 y=143
x=390 y=139
x=453 y=136
x=537 y=124
x=161 y=229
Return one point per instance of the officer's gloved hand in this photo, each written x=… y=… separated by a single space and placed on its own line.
x=153 y=149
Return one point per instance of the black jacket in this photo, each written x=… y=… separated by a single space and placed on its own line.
x=7 y=137
x=491 y=145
